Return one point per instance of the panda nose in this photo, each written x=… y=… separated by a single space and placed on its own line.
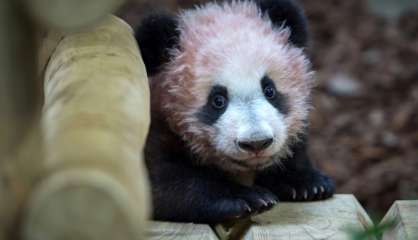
x=255 y=146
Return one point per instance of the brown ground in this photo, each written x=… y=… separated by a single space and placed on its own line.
x=366 y=138
x=364 y=130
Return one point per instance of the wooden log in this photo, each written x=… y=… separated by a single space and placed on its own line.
x=330 y=219
x=71 y=15
x=95 y=121
x=402 y=219
x=174 y=231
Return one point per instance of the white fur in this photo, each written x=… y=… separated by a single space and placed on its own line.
x=249 y=117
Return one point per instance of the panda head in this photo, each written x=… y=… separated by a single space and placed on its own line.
x=231 y=79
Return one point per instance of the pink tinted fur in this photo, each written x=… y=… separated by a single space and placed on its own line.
x=182 y=88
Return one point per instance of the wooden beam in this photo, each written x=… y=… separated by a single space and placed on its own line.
x=337 y=219
x=174 y=231
x=333 y=219
x=95 y=121
x=403 y=219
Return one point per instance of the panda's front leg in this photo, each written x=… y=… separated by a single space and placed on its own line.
x=184 y=193
x=295 y=179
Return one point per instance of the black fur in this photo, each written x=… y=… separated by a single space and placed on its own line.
x=289 y=14
x=184 y=192
x=280 y=100
x=297 y=179
x=156 y=35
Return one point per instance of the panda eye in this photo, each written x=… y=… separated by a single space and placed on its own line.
x=269 y=92
x=219 y=101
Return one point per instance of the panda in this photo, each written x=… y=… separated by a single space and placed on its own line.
x=230 y=95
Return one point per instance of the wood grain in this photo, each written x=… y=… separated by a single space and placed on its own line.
x=329 y=219
x=334 y=219
x=174 y=231
x=403 y=216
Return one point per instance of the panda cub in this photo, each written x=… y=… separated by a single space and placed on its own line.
x=230 y=86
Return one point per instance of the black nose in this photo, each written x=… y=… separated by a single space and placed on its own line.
x=255 y=146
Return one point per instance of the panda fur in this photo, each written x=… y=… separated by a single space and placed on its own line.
x=230 y=93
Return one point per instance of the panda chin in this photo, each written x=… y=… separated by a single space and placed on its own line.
x=254 y=162
x=247 y=165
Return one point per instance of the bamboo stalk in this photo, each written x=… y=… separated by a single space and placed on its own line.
x=95 y=121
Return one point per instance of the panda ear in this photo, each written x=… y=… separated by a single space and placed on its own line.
x=289 y=14
x=156 y=35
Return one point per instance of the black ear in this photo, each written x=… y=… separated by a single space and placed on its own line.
x=289 y=14
x=155 y=36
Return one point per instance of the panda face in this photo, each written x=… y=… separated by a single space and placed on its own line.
x=235 y=90
x=246 y=112
x=249 y=124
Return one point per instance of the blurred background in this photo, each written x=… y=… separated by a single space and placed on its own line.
x=364 y=129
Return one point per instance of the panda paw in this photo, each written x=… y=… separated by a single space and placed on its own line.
x=243 y=202
x=306 y=186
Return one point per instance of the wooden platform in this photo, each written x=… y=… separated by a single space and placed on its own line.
x=337 y=219
x=174 y=231
x=403 y=215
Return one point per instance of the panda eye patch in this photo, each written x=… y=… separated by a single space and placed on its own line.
x=276 y=98
x=215 y=106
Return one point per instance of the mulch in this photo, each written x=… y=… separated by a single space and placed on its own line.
x=366 y=135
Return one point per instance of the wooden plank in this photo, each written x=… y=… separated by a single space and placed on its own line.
x=173 y=231
x=335 y=219
x=330 y=219
x=404 y=217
